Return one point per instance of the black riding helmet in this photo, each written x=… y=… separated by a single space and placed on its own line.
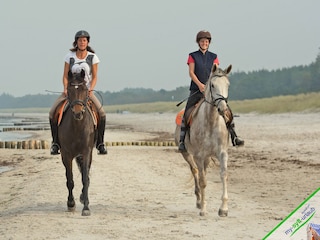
x=82 y=33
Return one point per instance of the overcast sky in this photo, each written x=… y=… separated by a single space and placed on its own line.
x=145 y=43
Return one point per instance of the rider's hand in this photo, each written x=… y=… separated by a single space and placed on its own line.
x=201 y=87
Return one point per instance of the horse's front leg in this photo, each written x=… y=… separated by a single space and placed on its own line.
x=223 y=210
x=84 y=198
x=67 y=162
x=203 y=184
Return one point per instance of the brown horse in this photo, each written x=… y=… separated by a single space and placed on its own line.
x=77 y=136
x=208 y=137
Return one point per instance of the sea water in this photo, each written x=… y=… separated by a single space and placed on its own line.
x=20 y=121
x=5 y=168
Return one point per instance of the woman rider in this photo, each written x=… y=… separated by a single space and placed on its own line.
x=200 y=64
x=81 y=56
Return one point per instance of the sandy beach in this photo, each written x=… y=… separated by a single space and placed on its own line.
x=146 y=192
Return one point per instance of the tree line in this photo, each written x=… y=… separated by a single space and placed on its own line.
x=286 y=81
x=244 y=85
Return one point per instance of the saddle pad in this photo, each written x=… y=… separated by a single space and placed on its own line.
x=61 y=110
x=189 y=114
x=179 y=117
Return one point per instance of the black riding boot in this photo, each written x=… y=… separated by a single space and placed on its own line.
x=100 y=142
x=236 y=141
x=183 y=130
x=55 y=146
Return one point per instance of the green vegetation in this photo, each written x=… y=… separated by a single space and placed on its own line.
x=293 y=103
x=144 y=107
x=267 y=84
x=281 y=104
x=25 y=110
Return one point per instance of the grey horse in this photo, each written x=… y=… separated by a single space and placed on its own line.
x=208 y=137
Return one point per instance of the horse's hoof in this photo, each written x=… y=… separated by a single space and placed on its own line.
x=223 y=213
x=71 y=206
x=202 y=213
x=198 y=205
x=72 y=209
x=86 y=213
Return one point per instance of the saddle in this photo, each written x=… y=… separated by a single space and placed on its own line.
x=192 y=112
x=62 y=108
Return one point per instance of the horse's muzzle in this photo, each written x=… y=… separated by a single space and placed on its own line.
x=78 y=111
x=227 y=115
x=78 y=116
x=222 y=108
x=222 y=112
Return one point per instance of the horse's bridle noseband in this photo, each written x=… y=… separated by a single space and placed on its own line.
x=83 y=104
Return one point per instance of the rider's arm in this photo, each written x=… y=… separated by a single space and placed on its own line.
x=65 y=77
x=94 y=72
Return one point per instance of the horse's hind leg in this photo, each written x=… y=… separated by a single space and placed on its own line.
x=195 y=172
x=84 y=199
x=70 y=184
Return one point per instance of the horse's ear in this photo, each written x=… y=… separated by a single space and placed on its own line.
x=214 y=67
x=83 y=73
x=228 y=69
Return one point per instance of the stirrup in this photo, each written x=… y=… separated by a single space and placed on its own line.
x=55 y=149
x=102 y=149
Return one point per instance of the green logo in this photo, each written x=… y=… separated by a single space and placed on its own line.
x=302 y=224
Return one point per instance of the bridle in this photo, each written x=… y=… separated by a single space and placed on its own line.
x=215 y=101
x=82 y=103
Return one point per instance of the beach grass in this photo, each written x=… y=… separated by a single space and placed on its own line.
x=309 y=102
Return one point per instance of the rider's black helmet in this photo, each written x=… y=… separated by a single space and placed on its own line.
x=82 y=33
